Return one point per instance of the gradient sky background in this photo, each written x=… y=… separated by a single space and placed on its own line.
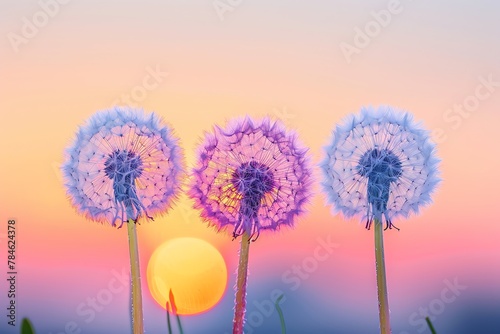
x=277 y=58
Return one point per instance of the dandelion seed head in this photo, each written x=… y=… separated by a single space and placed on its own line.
x=252 y=176
x=380 y=163
x=123 y=163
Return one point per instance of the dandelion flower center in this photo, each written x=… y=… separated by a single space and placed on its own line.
x=253 y=180
x=123 y=167
x=382 y=167
x=381 y=164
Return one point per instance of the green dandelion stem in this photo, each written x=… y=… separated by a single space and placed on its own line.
x=241 y=285
x=280 y=313
x=383 y=301
x=135 y=272
x=429 y=323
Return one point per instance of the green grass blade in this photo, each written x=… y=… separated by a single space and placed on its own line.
x=27 y=327
x=169 y=324
x=179 y=323
x=433 y=331
x=280 y=313
x=174 y=310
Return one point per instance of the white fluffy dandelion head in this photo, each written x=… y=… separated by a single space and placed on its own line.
x=380 y=163
x=123 y=164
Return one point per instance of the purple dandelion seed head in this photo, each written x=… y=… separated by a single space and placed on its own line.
x=123 y=164
x=251 y=176
x=380 y=163
x=253 y=179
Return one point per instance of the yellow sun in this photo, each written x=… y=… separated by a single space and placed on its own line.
x=193 y=269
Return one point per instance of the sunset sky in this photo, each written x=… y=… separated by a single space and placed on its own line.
x=308 y=63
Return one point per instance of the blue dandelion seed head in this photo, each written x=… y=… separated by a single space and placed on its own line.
x=123 y=164
x=380 y=164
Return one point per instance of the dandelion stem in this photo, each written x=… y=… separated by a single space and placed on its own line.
x=383 y=301
x=241 y=285
x=136 y=309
